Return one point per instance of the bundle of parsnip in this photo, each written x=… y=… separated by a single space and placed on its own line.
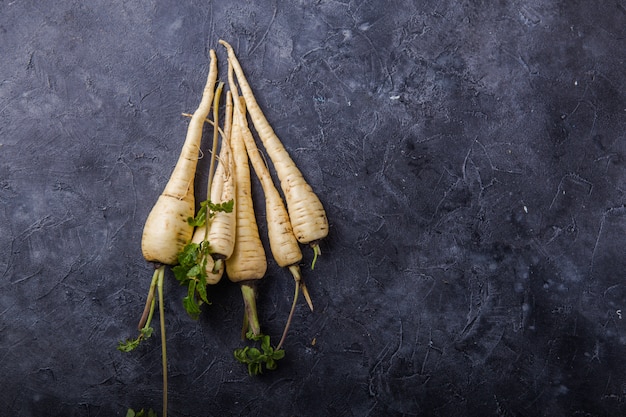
x=222 y=237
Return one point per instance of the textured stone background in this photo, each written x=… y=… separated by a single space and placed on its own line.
x=470 y=155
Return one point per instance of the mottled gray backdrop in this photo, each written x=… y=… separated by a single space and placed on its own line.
x=470 y=155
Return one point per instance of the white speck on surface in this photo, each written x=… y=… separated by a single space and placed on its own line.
x=365 y=26
x=562 y=389
x=175 y=25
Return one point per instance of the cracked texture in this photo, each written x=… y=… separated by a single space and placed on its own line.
x=470 y=156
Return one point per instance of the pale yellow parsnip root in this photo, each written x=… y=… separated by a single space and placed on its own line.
x=283 y=243
x=213 y=274
x=306 y=212
x=223 y=225
x=248 y=261
x=166 y=230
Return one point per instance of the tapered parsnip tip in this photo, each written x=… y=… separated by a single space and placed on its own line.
x=307 y=296
x=297 y=276
x=290 y=317
x=212 y=56
x=229 y=49
x=295 y=271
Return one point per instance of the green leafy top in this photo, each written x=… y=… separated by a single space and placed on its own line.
x=212 y=209
x=191 y=271
x=255 y=358
x=192 y=260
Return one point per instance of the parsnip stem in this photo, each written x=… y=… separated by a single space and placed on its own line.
x=252 y=317
x=216 y=101
x=149 y=307
x=316 y=252
x=295 y=272
x=293 y=309
x=163 y=338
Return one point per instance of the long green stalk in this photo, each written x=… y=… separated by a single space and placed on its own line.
x=163 y=338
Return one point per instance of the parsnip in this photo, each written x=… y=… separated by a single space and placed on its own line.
x=248 y=261
x=306 y=212
x=166 y=230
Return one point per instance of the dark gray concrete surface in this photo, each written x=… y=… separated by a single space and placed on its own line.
x=470 y=155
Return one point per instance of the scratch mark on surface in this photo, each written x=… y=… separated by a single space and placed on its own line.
x=383 y=67
x=431 y=346
x=400 y=339
x=606 y=213
x=381 y=356
x=518 y=59
x=58 y=283
x=269 y=26
x=207 y=369
x=40 y=224
x=576 y=179
x=470 y=323
x=430 y=138
x=26 y=278
x=467 y=155
x=94 y=328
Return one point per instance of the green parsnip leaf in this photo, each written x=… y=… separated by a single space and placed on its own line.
x=256 y=359
x=226 y=207
x=141 y=413
x=200 y=218
x=130 y=344
x=192 y=260
x=207 y=207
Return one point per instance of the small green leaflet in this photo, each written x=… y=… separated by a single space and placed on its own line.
x=192 y=260
x=226 y=207
x=141 y=413
x=191 y=271
x=255 y=358
x=131 y=344
x=200 y=218
x=212 y=208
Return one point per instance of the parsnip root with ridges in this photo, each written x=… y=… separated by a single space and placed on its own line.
x=166 y=230
x=306 y=212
